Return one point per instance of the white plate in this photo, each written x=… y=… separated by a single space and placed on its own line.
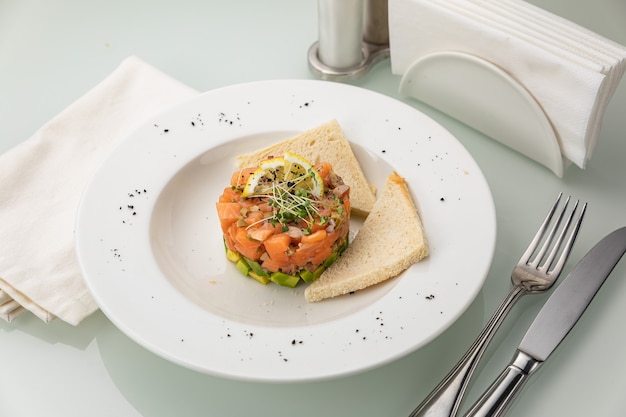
x=151 y=249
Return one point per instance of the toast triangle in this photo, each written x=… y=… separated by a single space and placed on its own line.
x=391 y=239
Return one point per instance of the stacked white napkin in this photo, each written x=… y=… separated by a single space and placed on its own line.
x=42 y=180
x=571 y=72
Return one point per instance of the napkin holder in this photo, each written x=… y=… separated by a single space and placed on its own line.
x=354 y=36
x=486 y=98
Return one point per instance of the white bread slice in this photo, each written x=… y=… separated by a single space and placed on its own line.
x=325 y=143
x=391 y=239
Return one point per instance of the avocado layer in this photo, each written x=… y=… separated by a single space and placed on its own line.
x=253 y=269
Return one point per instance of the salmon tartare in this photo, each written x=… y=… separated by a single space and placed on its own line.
x=285 y=220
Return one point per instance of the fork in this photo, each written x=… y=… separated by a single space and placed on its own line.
x=537 y=270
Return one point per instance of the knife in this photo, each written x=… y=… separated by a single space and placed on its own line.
x=557 y=317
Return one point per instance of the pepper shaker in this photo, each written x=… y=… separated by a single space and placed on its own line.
x=353 y=36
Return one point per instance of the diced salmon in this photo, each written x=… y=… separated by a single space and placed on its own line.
x=229 y=196
x=277 y=247
x=315 y=252
x=317 y=236
x=324 y=169
x=239 y=178
x=251 y=249
x=253 y=217
x=305 y=253
x=271 y=265
x=228 y=213
x=261 y=233
x=230 y=242
x=324 y=251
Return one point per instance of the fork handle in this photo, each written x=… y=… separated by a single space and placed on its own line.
x=445 y=399
x=499 y=396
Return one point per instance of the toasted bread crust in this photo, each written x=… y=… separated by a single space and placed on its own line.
x=391 y=239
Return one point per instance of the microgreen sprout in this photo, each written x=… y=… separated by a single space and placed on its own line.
x=292 y=207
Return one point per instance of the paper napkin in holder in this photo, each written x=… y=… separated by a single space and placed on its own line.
x=520 y=75
x=43 y=178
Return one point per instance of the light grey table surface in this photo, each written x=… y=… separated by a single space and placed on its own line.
x=51 y=52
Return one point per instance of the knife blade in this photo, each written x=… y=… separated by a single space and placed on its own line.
x=553 y=323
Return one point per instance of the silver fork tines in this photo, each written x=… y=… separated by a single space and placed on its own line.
x=539 y=273
x=537 y=270
x=541 y=232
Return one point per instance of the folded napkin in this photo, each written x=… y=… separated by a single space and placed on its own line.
x=570 y=71
x=42 y=180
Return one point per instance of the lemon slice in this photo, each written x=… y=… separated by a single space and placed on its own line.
x=271 y=172
x=290 y=173
x=300 y=175
x=274 y=169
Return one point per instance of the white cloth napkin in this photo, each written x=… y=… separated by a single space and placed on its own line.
x=571 y=72
x=42 y=180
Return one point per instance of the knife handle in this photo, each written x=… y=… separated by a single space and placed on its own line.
x=499 y=396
